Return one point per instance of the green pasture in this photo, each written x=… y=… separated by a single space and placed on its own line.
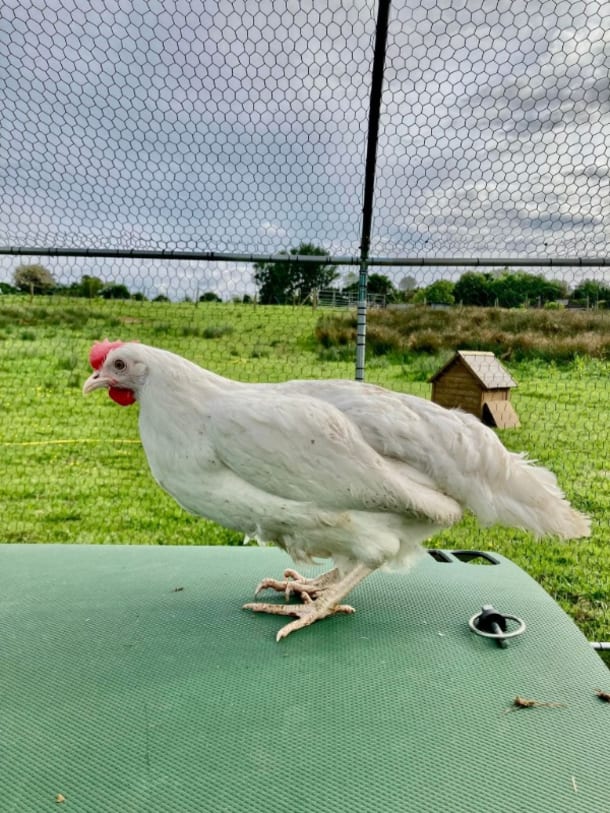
x=74 y=471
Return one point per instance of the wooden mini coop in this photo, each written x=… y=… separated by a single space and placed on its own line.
x=476 y=382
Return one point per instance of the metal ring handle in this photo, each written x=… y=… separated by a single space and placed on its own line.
x=501 y=635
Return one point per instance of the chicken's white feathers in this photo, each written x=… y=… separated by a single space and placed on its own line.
x=335 y=469
x=461 y=455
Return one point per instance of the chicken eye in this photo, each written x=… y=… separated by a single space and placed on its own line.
x=119 y=364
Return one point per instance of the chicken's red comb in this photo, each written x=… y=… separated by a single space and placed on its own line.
x=99 y=351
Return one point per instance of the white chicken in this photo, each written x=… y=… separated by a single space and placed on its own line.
x=334 y=469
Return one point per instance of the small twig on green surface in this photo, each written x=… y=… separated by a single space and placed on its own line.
x=523 y=703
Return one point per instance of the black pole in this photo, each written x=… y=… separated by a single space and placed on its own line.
x=381 y=35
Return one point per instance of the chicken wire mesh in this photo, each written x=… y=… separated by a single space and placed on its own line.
x=224 y=133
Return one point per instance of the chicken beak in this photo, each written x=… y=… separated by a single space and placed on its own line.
x=95 y=382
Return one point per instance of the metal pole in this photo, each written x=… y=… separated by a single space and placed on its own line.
x=225 y=257
x=381 y=33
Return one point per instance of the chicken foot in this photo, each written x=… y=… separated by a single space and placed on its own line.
x=319 y=600
x=293 y=582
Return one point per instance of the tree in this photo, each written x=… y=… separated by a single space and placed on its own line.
x=509 y=289
x=512 y=289
x=91 y=286
x=408 y=284
x=407 y=287
x=5 y=288
x=438 y=293
x=35 y=279
x=283 y=281
x=115 y=290
x=210 y=296
x=474 y=288
x=592 y=293
x=376 y=284
x=381 y=285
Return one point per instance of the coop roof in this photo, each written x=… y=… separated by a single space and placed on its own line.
x=485 y=367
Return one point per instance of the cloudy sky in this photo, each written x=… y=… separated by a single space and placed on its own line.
x=241 y=127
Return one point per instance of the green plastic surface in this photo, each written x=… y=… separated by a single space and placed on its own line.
x=132 y=680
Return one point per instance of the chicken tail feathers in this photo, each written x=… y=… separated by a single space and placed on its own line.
x=520 y=494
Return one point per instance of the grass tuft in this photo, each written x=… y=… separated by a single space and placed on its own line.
x=514 y=335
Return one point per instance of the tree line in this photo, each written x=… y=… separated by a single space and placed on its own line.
x=512 y=289
x=36 y=279
x=284 y=282
x=292 y=281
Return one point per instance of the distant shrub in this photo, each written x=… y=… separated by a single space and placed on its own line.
x=190 y=330
x=217 y=331
x=381 y=340
x=115 y=291
x=340 y=353
x=332 y=331
x=547 y=333
x=427 y=341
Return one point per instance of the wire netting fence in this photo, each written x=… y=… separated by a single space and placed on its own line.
x=157 y=158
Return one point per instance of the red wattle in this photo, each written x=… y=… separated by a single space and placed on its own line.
x=122 y=397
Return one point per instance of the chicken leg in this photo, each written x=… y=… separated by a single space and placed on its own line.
x=320 y=596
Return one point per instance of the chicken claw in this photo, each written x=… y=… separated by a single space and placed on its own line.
x=320 y=596
x=294 y=583
x=305 y=613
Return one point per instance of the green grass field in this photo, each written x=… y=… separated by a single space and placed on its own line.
x=74 y=470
